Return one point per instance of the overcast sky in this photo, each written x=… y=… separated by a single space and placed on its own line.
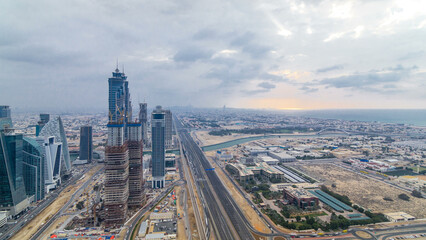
x=239 y=53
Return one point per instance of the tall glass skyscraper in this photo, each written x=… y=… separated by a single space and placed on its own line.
x=34 y=162
x=123 y=153
x=143 y=118
x=44 y=119
x=86 y=143
x=169 y=128
x=55 y=128
x=119 y=104
x=12 y=189
x=158 y=148
x=4 y=111
x=5 y=118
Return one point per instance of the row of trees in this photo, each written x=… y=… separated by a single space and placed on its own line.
x=342 y=198
x=307 y=222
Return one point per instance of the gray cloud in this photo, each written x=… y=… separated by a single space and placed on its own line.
x=205 y=34
x=307 y=89
x=243 y=39
x=331 y=68
x=256 y=50
x=380 y=81
x=412 y=55
x=191 y=55
x=266 y=85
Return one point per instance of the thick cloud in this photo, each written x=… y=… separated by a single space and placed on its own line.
x=266 y=85
x=59 y=55
x=374 y=80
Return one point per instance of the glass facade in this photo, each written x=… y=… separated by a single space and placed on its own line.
x=4 y=112
x=158 y=148
x=44 y=118
x=33 y=168
x=55 y=128
x=86 y=144
x=5 y=118
x=12 y=190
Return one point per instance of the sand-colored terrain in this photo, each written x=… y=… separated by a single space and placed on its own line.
x=192 y=221
x=250 y=214
x=205 y=139
x=27 y=231
x=181 y=233
x=367 y=192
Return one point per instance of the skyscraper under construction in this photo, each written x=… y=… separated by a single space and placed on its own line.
x=124 y=143
x=143 y=117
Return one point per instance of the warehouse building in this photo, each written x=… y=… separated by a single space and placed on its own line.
x=399 y=217
x=246 y=173
x=282 y=156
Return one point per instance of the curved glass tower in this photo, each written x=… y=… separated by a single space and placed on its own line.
x=55 y=128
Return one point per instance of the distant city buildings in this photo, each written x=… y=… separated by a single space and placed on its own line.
x=86 y=144
x=158 y=124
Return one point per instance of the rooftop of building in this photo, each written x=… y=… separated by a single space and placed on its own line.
x=399 y=215
x=298 y=192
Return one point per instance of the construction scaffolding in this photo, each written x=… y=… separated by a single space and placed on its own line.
x=136 y=182
x=135 y=143
x=116 y=184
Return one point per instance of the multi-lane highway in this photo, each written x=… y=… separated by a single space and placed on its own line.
x=223 y=213
x=198 y=218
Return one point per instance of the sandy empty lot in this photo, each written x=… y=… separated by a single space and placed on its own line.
x=207 y=139
x=367 y=192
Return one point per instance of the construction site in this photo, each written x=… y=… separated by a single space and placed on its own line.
x=116 y=184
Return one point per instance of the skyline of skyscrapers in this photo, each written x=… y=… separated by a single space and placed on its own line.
x=86 y=143
x=158 y=125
